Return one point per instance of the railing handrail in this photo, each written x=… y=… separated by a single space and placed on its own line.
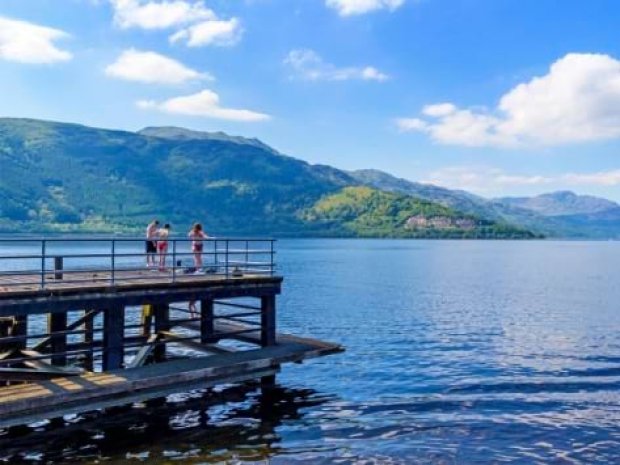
x=226 y=256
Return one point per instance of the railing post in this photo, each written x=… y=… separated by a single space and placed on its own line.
x=58 y=267
x=271 y=261
x=43 y=247
x=226 y=258
x=113 y=263
x=174 y=259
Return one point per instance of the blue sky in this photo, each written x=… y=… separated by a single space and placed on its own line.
x=510 y=97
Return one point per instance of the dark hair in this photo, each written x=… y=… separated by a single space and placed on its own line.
x=197 y=227
x=155 y=221
x=167 y=226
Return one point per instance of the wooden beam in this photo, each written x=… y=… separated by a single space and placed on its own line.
x=57 y=323
x=144 y=352
x=88 y=316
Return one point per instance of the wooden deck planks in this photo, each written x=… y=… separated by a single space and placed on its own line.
x=92 y=391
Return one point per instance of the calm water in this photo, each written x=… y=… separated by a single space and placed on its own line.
x=457 y=353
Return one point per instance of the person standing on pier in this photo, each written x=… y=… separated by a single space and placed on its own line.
x=162 y=245
x=151 y=242
x=196 y=234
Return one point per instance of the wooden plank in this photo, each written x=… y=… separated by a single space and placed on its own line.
x=144 y=352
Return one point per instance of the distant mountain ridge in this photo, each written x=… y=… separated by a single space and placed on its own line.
x=561 y=203
x=70 y=177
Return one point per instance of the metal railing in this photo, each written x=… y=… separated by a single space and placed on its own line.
x=44 y=263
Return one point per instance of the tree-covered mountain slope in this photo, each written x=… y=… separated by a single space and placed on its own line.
x=67 y=177
x=366 y=212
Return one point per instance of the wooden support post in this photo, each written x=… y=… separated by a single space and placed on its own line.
x=268 y=320
x=58 y=342
x=161 y=313
x=89 y=338
x=20 y=328
x=113 y=335
x=147 y=320
x=206 y=321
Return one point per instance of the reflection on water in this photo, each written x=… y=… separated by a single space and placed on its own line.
x=236 y=422
x=458 y=352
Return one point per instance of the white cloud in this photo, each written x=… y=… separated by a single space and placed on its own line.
x=484 y=179
x=30 y=43
x=578 y=100
x=307 y=64
x=211 y=32
x=358 y=7
x=153 y=68
x=158 y=14
x=206 y=104
x=196 y=24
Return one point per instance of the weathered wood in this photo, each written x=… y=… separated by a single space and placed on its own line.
x=268 y=321
x=144 y=352
x=56 y=323
x=20 y=328
x=146 y=319
x=92 y=390
x=113 y=335
x=73 y=326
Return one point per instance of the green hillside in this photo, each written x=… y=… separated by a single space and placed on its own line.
x=70 y=178
x=367 y=212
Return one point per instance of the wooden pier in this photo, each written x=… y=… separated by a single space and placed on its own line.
x=89 y=326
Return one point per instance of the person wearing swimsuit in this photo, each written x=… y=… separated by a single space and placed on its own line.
x=162 y=245
x=196 y=234
x=151 y=242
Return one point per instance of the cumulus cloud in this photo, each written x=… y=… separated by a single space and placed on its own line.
x=358 y=7
x=578 y=100
x=26 y=42
x=307 y=64
x=205 y=104
x=196 y=24
x=483 y=179
x=152 y=68
x=158 y=15
x=212 y=32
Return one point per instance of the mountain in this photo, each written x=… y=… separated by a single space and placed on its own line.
x=559 y=214
x=572 y=215
x=69 y=177
x=561 y=203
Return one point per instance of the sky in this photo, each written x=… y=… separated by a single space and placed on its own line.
x=497 y=97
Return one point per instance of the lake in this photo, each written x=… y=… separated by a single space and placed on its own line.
x=457 y=352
